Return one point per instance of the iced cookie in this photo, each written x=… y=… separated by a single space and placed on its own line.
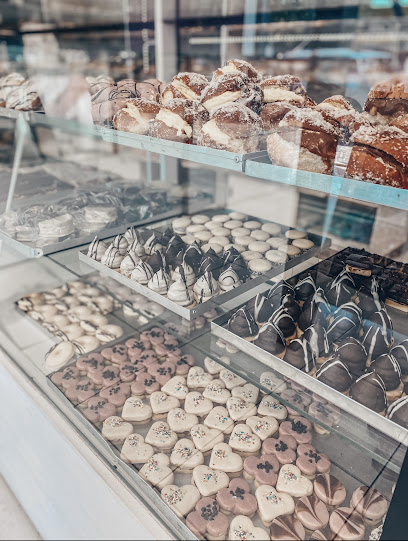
x=162 y=372
x=237 y=499
x=283 y=447
x=310 y=462
x=272 y=382
x=117 y=394
x=66 y=377
x=369 y=503
x=272 y=504
x=287 y=527
x=161 y=436
x=312 y=513
x=144 y=384
x=231 y=379
x=180 y=421
x=218 y=418
x=181 y=500
x=98 y=409
x=156 y=471
x=240 y=410
x=135 y=450
x=196 y=403
x=329 y=489
x=217 y=392
x=81 y=392
x=264 y=427
x=207 y=520
x=109 y=376
x=208 y=481
x=224 y=459
x=244 y=441
x=291 y=481
x=162 y=403
x=185 y=457
x=197 y=378
x=176 y=387
x=116 y=429
x=247 y=392
x=59 y=355
x=271 y=407
x=213 y=367
x=90 y=363
x=299 y=428
x=263 y=470
x=135 y=410
x=128 y=371
x=205 y=438
x=242 y=528
x=183 y=363
x=345 y=523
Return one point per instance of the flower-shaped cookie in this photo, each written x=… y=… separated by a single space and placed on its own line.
x=82 y=391
x=208 y=519
x=119 y=354
x=205 y=438
x=67 y=377
x=300 y=429
x=217 y=392
x=270 y=407
x=147 y=357
x=240 y=410
x=264 y=427
x=109 y=375
x=219 y=418
x=197 y=378
x=170 y=346
x=237 y=498
x=156 y=471
x=163 y=403
x=163 y=372
x=119 y=349
x=161 y=436
x=136 y=410
x=117 y=394
x=135 y=450
x=244 y=441
x=291 y=481
x=185 y=456
x=196 y=403
x=299 y=399
x=310 y=462
x=155 y=335
x=89 y=363
x=136 y=346
x=180 y=421
x=283 y=447
x=224 y=459
x=98 y=409
x=144 y=384
x=181 y=500
x=242 y=528
x=116 y=429
x=183 y=363
x=264 y=470
x=176 y=387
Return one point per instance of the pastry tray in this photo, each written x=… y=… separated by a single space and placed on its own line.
x=320 y=243
x=219 y=328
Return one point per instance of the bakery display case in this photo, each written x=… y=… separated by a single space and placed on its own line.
x=204 y=266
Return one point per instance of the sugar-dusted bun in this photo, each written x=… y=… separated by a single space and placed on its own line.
x=233 y=66
x=225 y=89
x=388 y=139
x=401 y=122
x=233 y=127
x=189 y=85
x=174 y=121
x=389 y=98
x=136 y=115
x=310 y=119
x=8 y=83
x=170 y=93
x=24 y=97
x=148 y=91
x=97 y=83
x=200 y=116
x=335 y=102
x=285 y=88
x=273 y=113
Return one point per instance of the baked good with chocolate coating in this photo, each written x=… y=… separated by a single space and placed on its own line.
x=136 y=116
x=239 y=66
x=346 y=524
x=335 y=374
x=370 y=504
x=260 y=307
x=284 y=88
x=346 y=322
x=284 y=322
x=243 y=324
x=400 y=353
x=370 y=391
x=378 y=335
x=341 y=289
x=388 y=98
x=287 y=527
x=232 y=127
x=299 y=354
x=173 y=122
x=398 y=411
x=388 y=368
x=271 y=339
x=185 y=85
x=353 y=354
x=329 y=489
x=312 y=512
x=316 y=335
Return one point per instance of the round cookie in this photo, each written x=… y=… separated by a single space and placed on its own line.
x=295 y=234
x=180 y=224
x=259 y=266
x=233 y=224
x=276 y=256
x=259 y=246
x=275 y=242
x=258 y=234
x=272 y=229
x=210 y=225
x=290 y=250
x=203 y=235
x=249 y=255
x=199 y=219
x=238 y=216
x=219 y=240
x=240 y=232
x=221 y=232
x=243 y=240
x=303 y=244
x=194 y=228
x=252 y=224
x=220 y=218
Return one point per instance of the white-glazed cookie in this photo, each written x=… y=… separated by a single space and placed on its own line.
x=272 y=229
x=259 y=266
x=233 y=224
x=259 y=246
x=193 y=229
x=216 y=392
x=303 y=244
x=177 y=387
x=224 y=459
x=156 y=471
x=235 y=215
x=205 y=438
x=291 y=481
x=210 y=225
x=273 y=504
x=198 y=404
x=271 y=381
x=161 y=436
x=135 y=450
x=59 y=355
x=249 y=256
x=264 y=427
x=247 y=392
x=180 y=224
x=221 y=240
x=240 y=410
x=213 y=367
x=252 y=224
x=185 y=456
x=270 y=407
x=181 y=500
x=198 y=378
x=276 y=256
x=242 y=528
x=203 y=236
x=220 y=218
x=221 y=232
x=180 y=421
x=199 y=219
x=209 y=481
x=116 y=429
x=231 y=379
x=244 y=441
x=163 y=403
x=276 y=242
x=290 y=250
x=243 y=240
x=219 y=419
x=258 y=234
x=240 y=232
x=135 y=410
x=295 y=234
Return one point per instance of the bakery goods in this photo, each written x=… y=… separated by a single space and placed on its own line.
x=135 y=116
x=174 y=121
x=369 y=503
x=207 y=519
x=186 y=85
x=242 y=527
x=284 y=88
x=271 y=339
x=329 y=489
x=272 y=503
x=287 y=527
x=370 y=391
x=181 y=500
x=24 y=97
x=232 y=87
x=263 y=470
x=346 y=524
x=239 y=66
x=388 y=98
x=387 y=367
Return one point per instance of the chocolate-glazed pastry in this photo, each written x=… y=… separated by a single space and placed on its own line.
x=314 y=309
x=231 y=255
x=173 y=247
x=316 y=335
x=284 y=321
x=193 y=255
x=335 y=374
x=329 y=489
x=168 y=236
x=300 y=355
x=153 y=244
x=378 y=335
x=369 y=503
x=241 y=268
x=347 y=319
x=341 y=289
x=305 y=289
x=370 y=391
x=312 y=512
x=260 y=308
x=279 y=290
x=400 y=352
x=353 y=354
x=346 y=524
x=389 y=370
x=371 y=299
x=243 y=324
x=157 y=261
x=271 y=339
x=291 y=306
x=398 y=411
x=211 y=262
x=287 y=527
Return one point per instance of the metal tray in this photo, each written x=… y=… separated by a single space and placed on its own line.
x=190 y=313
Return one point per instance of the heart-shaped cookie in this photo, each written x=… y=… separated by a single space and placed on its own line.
x=136 y=411
x=224 y=459
x=264 y=470
x=264 y=427
x=196 y=403
x=209 y=481
x=244 y=441
x=180 y=421
x=217 y=392
x=176 y=387
x=185 y=456
x=283 y=447
x=270 y=407
x=135 y=450
x=198 y=378
x=231 y=379
x=310 y=462
x=240 y=410
x=247 y=392
x=299 y=428
x=219 y=418
x=213 y=367
x=237 y=498
x=161 y=436
x=272 y=504
x=181 y=500
x=156 y=471
x=98 y=410
x=163 y=403
x=291 y=481
x=242 y=528
x=116 y=429
x=272 y=382
x=205 y=438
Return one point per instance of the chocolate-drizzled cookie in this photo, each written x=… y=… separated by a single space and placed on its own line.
x=370 y=391
x=243 y=324
x=335 y=374
x=300 y=355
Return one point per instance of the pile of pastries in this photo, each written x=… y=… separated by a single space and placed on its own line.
x=17 y=92
x=231 y=462
x=332 y=323
x=200 y=256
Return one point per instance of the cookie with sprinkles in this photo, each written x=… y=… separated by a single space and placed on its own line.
x=181 y=500
x=156 y=471
x=242 y=529
x=185 y=457
x=161 y=436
